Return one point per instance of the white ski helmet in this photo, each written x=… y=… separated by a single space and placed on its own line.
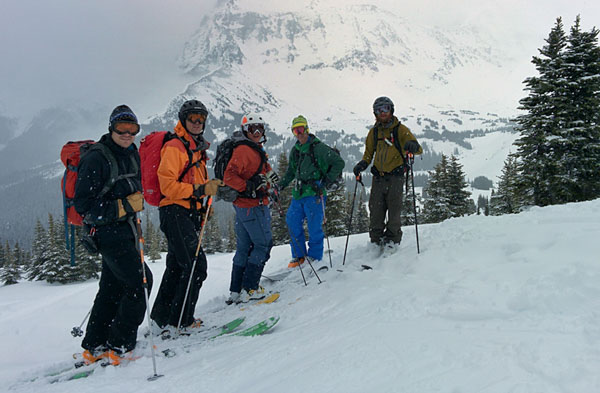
x=251 y=118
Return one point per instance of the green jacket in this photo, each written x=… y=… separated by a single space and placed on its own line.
x=309 y=180
x=387 y=157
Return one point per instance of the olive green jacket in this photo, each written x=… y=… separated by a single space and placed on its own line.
x=387 y=157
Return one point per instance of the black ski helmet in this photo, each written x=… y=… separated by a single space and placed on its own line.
x=121 y=114
x=381 y=101
x=191 y=106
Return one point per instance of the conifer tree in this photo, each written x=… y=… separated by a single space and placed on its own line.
x=38 y=249
x=57 y=259
x=458 y=197
x=336 y=212
x=436 y=201
x=362 y=214
x=2 y=256
x=213 y=241
x=504 y=200
x=11 y=272
x=231 y=238
x=535 y=147
x=152 y=240
x=278 y=223
x=408 y=212
x=446 y=194
x=577 y=141
x=88 y=266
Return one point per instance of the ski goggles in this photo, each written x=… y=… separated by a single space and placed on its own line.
x=196 y=118
x=299 y=130
x=254 y=129
x=126 y=128
x=382 y=109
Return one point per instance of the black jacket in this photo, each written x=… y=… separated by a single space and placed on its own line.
x=94 y=173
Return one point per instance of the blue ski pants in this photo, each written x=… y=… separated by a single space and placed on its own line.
x=310 y=209
x=254 y=243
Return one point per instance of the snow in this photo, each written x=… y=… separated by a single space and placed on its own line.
x=494 y=304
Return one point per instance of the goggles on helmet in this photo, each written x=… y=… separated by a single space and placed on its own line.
x=196 y=118
x=126 y=128
x=383 y=109
x=254 y=129
x=299 y=130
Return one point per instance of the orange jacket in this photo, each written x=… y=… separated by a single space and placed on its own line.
x=173 y=160
x=243 y=164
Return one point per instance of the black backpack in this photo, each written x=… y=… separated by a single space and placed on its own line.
x=224 y=153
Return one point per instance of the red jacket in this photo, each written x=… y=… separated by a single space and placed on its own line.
x=243 y=164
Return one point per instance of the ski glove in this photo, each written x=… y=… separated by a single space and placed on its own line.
x=227 y=194
x=256 y=182
x=361 y=166
x=412 y=146
x=272 y=177
x=209 y=188
x=131 y=204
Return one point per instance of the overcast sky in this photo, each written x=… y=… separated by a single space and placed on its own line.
x=124 y=51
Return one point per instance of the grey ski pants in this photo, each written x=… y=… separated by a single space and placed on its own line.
x=386 y=199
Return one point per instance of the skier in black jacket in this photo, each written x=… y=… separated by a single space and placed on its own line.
x=119 y=306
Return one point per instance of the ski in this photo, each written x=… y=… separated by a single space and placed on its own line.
x=266 y=300
x=258 y=329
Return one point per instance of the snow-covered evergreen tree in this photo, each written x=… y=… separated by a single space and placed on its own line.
x=504 y=200
x=336 y=212
x=11 y=272
x=278 y=224
x=362 y=214
x=2 y=255
x=436 y=203
x=458 y=197
x=446 y=192
x=538 y=159
x=152 y=240
x=577 y=141
x=38 y=249
x=230 y=243
x=213 y=240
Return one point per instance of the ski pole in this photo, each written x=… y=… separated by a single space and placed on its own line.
x=76 y=331
x=358 y=180
x=411 y=160
x=325 y=230
x=187 y=290
x=140 y=237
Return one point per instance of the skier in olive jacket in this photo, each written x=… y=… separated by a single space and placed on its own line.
x=386 y=145
x=314 y=167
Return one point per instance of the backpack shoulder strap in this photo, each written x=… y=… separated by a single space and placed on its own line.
x=311 y=153
x=112 y=164
x=261 y=152
x=189 y=152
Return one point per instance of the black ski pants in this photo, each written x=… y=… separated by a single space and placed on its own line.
x=181 y=228
x=120 y=304
x=386 y=199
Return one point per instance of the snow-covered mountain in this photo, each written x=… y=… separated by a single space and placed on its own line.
x=455 y=87
x=491 y=304
x=330 y=59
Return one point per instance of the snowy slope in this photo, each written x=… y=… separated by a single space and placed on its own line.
x=494 y=304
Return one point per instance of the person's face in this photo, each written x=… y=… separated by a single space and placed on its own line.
x=383 y=114
x=301 y=133
x=194 y=123
x=255 y=132
x=123 y=134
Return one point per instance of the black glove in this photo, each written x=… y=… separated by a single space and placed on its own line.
x=412 y=146
x=256 y=182
x=227 y=194
x=361 y=166
x=331 y=185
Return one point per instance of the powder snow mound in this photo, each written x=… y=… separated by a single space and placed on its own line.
x=493 y=304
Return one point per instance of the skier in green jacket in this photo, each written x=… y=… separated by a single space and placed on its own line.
x=314 y=167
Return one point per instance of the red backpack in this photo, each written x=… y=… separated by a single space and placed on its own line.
x=150 y=147
x=70 y=156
